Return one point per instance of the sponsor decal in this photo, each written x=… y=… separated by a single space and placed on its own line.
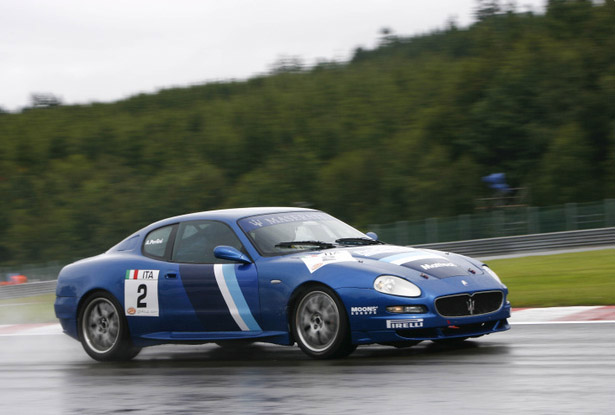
x=141 y=292
x=437 y=265
x=361 y=311
x=249 y=224
x=405 y=324
x=256 y=223
x=317 y=261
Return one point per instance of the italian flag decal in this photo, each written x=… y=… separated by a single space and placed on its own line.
x=142 y=274
x=132 y=274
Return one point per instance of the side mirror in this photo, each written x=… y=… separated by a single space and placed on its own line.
x=372 y=235
x=231 y=254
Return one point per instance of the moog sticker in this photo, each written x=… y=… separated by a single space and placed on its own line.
x=317 y=261
x=141 y=292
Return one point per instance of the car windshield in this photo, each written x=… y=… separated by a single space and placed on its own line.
x=287 y=232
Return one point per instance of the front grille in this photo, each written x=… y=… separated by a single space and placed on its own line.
x=469 y=305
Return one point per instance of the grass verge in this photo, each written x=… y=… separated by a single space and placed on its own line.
x=36 y=309
x=580 y=278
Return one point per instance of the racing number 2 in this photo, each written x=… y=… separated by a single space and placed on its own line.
x=142 y=291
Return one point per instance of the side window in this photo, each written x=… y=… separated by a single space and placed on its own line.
x=196 y=241
x=157 y=241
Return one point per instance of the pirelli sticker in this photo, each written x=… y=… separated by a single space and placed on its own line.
x=410 y=323
x=141 y=292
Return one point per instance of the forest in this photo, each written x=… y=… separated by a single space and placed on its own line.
x=400 y=132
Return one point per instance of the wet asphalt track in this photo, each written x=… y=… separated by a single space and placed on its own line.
x=535 y=369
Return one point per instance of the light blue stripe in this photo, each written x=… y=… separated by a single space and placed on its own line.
x=228 y=270
x=395 y=257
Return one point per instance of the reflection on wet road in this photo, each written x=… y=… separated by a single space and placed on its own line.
x=563 y=369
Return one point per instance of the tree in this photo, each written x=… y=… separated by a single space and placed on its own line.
x=45 y=100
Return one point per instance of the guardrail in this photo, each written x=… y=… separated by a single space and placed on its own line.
x=528 y=243
x=477 y=247
x=28 y=289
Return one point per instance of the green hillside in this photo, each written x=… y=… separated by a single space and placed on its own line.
x=401 y=132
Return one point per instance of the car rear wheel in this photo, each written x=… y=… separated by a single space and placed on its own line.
x=320 y=325
x=103 y=329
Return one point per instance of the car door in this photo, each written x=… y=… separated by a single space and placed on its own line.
x=222 y=295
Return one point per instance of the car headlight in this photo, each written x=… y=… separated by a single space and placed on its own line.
x=389 y=284
x=493 y=274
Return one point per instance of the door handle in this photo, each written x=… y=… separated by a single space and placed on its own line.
x=170 y=276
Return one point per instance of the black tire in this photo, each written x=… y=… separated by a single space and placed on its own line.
x=320 y=325
x=103 y=329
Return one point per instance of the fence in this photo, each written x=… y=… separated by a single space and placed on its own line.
x=499 y=223
x=604 y=237
x=28 y=289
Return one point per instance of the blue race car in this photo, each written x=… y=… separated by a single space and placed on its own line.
x=278 y=275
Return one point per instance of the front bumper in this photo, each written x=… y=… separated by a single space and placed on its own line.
x=370 y=321
x=430 y=333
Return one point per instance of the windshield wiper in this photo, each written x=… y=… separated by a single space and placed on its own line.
x=294 y=244
x=358 y=241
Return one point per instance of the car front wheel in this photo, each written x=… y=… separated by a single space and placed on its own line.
x=103 y=330
x=320 y=325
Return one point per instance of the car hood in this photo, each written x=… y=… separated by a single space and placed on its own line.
x=424 y=261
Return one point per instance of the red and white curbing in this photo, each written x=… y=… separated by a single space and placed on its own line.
x=40 y=329
x=520 y=316
x=554 y=315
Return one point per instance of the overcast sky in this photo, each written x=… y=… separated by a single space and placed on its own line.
x=99 y=51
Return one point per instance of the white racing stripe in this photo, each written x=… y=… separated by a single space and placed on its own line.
x=402 y=258
x=228 y=298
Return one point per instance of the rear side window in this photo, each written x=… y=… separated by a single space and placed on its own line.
x=157 y=242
